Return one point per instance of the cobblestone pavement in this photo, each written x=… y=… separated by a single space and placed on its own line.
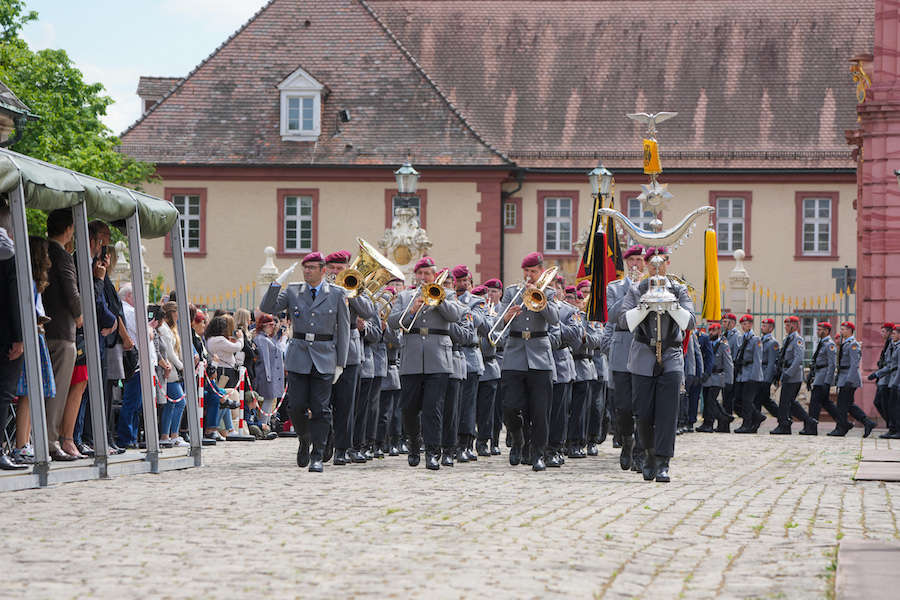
x=745 y=516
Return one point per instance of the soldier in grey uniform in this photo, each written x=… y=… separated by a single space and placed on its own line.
x=655 y=384
x=426 y=362
x=890 y=371
x=489 y=381
x=369 y=387
x=632 y=451
x=720 y=371
x=821 y=375
x=790 y=373
x=586 y=380
x=462 y=332
x=770 y=353
x=389 y=414
x=847 y=380
x=468 y=397
x=732 y=335
x=316 y=355
x=693 y=372
x=527 y=372
x=346 y=388
x=563 y=335
x=883 y=389
x=748 y=376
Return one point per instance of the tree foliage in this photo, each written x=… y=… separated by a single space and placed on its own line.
x=69 y=131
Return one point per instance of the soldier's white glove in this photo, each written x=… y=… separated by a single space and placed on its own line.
x=285 y=274
x=337 y=374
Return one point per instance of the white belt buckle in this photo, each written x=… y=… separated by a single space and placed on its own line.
x=423 y=331
x=526 y=335
x=309 y=337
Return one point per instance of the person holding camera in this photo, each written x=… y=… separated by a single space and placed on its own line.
x=174 y=406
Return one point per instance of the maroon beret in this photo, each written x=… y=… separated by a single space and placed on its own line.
x=888 y=325
x=792 y=319
x=731 y=316
x=460 y=271
x=579 y=295
x=425 y=261
x=849 y=325
x=747 y=317
x=825 y=324
x=495 y=284
x=714 y=325
x=479 y=290
x=585 y=283
x=390 y=289
x=312 y=257
x=532 y=260
x=768 y=322
x=340 y=256
x=660 y=250
x=264 y=319
x=636 y=250
x=570 y=289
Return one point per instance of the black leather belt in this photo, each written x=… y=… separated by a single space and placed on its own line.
x=429 y=331
x=469 y=345
x=583 y=356
x=393 y=363
x=313 y=337
x=665 y=345
x=527 y=335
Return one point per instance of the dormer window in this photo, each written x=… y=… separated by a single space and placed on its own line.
x=301 y=107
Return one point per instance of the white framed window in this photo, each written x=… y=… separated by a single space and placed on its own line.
x=301 y=107
x=730 y=213
x=510 y=215
x=557 y=225
x=298 y=224
x=816 y=226
x=189 y=220
x=637 y=215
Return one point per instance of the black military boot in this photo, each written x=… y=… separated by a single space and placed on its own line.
x=662 y=469
x=538 y=464
x=447 y=458
x=340 y=456
x=782 y=429
x=637 y=462
x=625 y=458
x=394 y=448
x=481 y=448
x=592 y=449
x=412 y=452
x=315 y=460
x=704 y=428
x=868 y=426
x=515 y=455
x=303 y=453
x=432 y=462
x=649 y=468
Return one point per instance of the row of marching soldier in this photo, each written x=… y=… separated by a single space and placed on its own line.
x=435 y=370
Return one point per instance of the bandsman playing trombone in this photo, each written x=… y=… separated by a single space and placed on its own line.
x=426 y=359
x=527 y=378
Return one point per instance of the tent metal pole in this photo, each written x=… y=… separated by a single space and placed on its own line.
x=92 y=338
x=25 y=285
x=184 y=332
x=148 y=397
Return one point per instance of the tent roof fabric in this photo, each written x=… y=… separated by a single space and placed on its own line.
x=49 y=187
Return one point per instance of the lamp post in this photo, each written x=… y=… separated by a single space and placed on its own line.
x=601 y=181
x=407 y=179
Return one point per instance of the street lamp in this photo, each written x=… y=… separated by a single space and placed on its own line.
x=601 y=180
x=407 y=179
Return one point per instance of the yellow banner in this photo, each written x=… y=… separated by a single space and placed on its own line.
x=651 y=157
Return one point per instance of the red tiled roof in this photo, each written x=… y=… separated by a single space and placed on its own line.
x=227 y=110
x=761 y=83
x=155 y=87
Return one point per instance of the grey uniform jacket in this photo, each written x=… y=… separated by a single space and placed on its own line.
x=534 y=353
x=888 y=368
x=425 y=352
x=848 y=369
x=359 y=306
x=642 y=356
x=620 y=344
x=327 y=315
x=488 y=352
x=370 y=337
x=770 y=351
x=391 y=380
x=824 y=363
x=722 y=370
x=794 y=351
x=748 y=359
x=691 y=359
x=563 y=336
x=459 y=335
x=894 y=380
x=471 y=350
x=734 y=337
x=601 y=364
x=585 y=370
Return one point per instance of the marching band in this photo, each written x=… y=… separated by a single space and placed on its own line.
x=440 y=367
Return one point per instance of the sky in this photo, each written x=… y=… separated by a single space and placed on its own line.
x=114 y=42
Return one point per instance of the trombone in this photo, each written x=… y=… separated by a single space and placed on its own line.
x=533 y=299
x=432 y=295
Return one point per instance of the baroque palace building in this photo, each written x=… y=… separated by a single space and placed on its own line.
x=288 y=133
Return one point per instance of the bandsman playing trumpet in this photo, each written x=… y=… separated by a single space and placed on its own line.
x=462 y=283
x=527 y=375
x=426 y=360
x=489 y=410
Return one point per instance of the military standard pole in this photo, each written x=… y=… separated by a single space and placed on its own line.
x=25 y=287
x=148 y=395
x=91 y=337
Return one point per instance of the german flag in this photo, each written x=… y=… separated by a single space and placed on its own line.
x=602 y=261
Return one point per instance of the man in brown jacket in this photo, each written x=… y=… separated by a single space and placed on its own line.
x=62 y=303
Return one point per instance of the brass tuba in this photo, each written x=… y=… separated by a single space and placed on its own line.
x=369 y=272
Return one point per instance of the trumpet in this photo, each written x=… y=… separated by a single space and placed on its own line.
x=534 y=299
x=432 y=295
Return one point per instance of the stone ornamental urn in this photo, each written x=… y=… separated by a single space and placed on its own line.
x=405 y=242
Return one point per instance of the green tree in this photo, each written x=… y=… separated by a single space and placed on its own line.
x=69 y=132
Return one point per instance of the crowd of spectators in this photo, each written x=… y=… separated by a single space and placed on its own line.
x=241 y=357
